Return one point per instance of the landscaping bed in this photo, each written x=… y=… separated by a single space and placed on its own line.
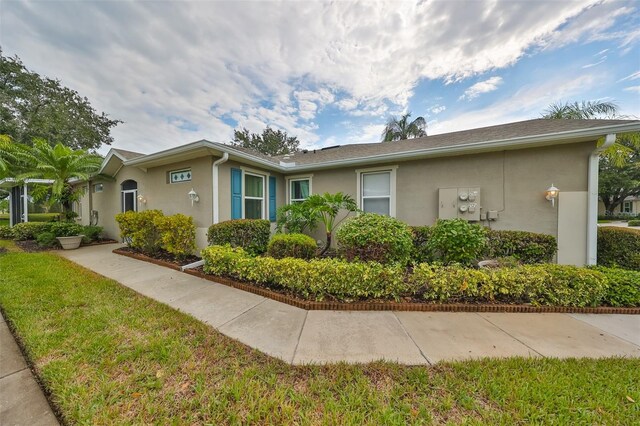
x=107 y=355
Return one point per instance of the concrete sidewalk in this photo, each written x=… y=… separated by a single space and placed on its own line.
x=298 y=336
x=21 y=399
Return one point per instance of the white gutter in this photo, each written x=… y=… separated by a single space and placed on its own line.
x=592 y=200
x=216 y=192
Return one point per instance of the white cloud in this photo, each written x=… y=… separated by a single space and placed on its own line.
x=219 y=64
x=437 y=109
x=633 y=76
x=481 y=87
x=635 y=89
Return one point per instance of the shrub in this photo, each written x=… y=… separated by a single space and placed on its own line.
x=29 y=230
x=6 y=232
x=47 y=239
x=66 y=229
x=139 y=230
x=374 y=237
x=296 y=218
x=456 y=241
x=318 y=278
x=91 y=233
x=527 y=247
x=250 y=234
x=292 y=245
x=178 y=234
x=619 y=247
x=570 y=286
x=635 y=222
x=624 y=286
x=421 y=235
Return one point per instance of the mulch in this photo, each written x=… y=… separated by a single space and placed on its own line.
x=31 y=246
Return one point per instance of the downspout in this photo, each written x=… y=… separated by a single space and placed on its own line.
x=214 y=175
x=25 y=204
x=592 y=200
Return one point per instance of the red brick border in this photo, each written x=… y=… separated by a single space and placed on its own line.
x=311 y=305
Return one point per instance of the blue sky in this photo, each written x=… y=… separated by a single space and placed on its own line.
x=329 y=73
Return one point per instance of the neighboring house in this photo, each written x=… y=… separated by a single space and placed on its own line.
x=497 y=176
x=630 y=206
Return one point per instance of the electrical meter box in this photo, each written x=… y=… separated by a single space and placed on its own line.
x=463 y=203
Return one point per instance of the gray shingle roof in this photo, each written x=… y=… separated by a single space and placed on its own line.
x=128 y=155
x=485 y=134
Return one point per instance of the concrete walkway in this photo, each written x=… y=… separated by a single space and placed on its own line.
x=21 y=399
x=300 y=337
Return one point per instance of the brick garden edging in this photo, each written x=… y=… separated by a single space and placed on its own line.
x=311 y=305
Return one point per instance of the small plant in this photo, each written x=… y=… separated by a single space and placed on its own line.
x=296 y=218
x=292 y=245
x=250 y=234
x=177 y=234
x=374 y=237
x=47 y=239
x=327 y=207
x=456 y=241
x=91 y=233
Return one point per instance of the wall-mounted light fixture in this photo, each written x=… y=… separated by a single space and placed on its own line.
x=141 y=199
x=193 y=196
x=552 y=194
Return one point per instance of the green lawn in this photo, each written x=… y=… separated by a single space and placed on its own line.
x=109 y=355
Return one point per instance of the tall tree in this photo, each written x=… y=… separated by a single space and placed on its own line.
x=581 y=110
x=270 y=142
x=619 y=181
x=401 y=128
x=60 y=164
x=33 y=106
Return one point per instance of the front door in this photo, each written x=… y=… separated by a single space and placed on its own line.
x=129 y=199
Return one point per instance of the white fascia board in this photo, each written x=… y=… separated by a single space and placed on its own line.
x=110 y=154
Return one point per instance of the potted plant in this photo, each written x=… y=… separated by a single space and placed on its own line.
x=69 y=235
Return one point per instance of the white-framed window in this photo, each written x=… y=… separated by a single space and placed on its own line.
x=377 y=190
x=98 y=187
x=253 y=196
x=299 y=189
x=178 y=176
x=627 y=207
x=76 y=207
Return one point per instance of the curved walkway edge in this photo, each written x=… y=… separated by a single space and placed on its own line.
x=299 y=336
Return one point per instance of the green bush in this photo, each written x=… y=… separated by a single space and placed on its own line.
x=421 y=235
x=456 y=241
x=139 y=230
x=292 y=245
x=619 y=247
x=66 y=229
x=556 y=285
x=635 y=222
x=47 y=239
x=91 y=233
x=377 y=238
x=318 y=278
x=6 y=233
x=250 y=234
x=623 y=288
x=527 y=247
x=29 y=230
x=177 y=234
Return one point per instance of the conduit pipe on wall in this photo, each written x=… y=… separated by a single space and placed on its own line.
x=214 y=174
x=592 y=200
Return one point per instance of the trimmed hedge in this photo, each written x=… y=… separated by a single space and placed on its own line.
x=292 y=245
x=456 y=241
x=635 y=222
x=545 y=284
x=250 y=234
x=29 y=230
x=317 y=279
x=177 y=234
x=624 y=286
x=139 y=229
x=527 y=247
x=374 y=237
x=619 y=247
x=6 y=233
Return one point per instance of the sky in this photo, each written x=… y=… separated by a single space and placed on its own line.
x=330 y=73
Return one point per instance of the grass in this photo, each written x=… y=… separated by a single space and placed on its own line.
x=109 y=355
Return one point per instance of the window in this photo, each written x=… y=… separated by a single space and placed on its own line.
x=253 y=196
x=76 y=207
x=98 y=187
x=376 y=190
x=129 y=195
x=180 y=176
x=299 y=190
x=627 y=207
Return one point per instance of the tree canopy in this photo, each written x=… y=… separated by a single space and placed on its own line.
x=33 y=106
x=619 y=181
x=270 y=142
x=401 y=128
x=581 y=110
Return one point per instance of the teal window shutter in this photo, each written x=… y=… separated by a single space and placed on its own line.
x=236 y=194
x=272 y=198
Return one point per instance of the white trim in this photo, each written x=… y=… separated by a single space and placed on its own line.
x=185 y=169
x=392 y=185
x=215 y=182
x=135 y=199
x=264 y=192
x=25 y=203
x=290 y=179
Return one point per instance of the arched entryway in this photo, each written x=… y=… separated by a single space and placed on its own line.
x=129 y=195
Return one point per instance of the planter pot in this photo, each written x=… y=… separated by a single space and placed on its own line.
x=70 y=243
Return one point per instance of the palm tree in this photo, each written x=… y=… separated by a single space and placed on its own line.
x=60 y=164
x=9 y=155
x=398 y=129
x=581 y=110
x=326 y=208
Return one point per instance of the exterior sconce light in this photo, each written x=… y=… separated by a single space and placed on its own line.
x=141 y=199
x=193 y=196
x=552 y=194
